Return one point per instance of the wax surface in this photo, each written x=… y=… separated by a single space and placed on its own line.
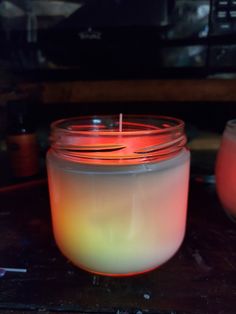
x=226 y=173
x=119 y=222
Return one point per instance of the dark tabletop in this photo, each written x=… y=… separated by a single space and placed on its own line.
x=200 y=278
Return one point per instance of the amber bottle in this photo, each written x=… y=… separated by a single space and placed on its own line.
x=21 y=140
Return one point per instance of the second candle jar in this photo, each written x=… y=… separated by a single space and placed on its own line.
x=118 y=191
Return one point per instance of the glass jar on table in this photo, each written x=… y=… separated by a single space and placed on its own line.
x=118 y=190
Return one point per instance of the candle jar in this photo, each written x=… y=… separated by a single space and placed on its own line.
x=226 y=170
x=118 y=191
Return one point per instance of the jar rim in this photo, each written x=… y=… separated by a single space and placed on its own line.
x=100 y=139
x=231 y=124
x=64 y=125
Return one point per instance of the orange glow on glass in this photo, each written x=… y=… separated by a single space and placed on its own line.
x=116 y=213
x=226 y=171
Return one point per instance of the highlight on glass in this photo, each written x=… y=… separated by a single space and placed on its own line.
x=118 y=191
x=226 y=170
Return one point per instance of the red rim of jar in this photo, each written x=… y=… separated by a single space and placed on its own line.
x=143 y=139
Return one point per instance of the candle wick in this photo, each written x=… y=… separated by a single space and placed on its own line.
x=120 y=122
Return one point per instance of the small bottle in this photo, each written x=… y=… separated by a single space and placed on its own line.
x=21 y=141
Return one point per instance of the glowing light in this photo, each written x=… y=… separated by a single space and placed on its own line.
x=226 y=173
x=118 y=192
x=119 y=223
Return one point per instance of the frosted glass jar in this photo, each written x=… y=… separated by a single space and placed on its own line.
x=118 y=192
x=226 y=170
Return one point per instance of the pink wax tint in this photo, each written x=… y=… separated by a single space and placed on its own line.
x=118 y=195
x=226 y=170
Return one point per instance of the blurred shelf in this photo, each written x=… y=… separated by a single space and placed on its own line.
x=144 y=90
x=184 y=90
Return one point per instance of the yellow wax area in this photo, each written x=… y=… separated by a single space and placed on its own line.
x=226 y=173
x=119 y=224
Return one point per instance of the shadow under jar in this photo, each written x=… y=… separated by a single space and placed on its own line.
x=118 y=191
x=226 y=170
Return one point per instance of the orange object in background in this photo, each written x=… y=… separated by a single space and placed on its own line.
x=23 y=154
x=226 y=170
x=22 y=143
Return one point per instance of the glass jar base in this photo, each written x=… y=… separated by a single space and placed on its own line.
x=117 y=274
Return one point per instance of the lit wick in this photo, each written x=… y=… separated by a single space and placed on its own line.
x=120 y=122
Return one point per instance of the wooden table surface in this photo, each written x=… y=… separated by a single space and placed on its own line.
x=200 y=278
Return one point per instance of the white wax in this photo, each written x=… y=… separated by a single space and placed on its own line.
x=119 y=220
x=226 y=173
